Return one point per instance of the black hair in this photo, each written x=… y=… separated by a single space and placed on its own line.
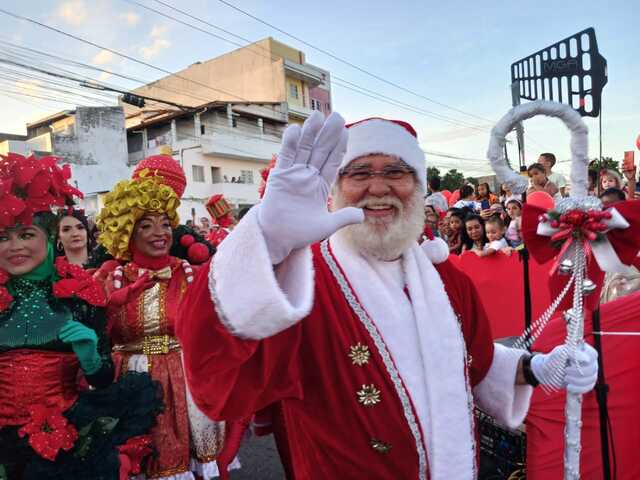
x=536 y=166
x=616 y=192
x=466 y=240
x=549 y=156
x=487 y=187
x=466 y=191
x=82 y=218
x=434 y=183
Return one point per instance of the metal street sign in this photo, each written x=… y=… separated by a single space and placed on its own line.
x=571 y=71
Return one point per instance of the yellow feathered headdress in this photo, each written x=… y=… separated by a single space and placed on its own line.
x=129 y=201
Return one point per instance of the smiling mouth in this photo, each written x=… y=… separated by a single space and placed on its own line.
x=18 y=260
x=159 y=244
x=379 y=210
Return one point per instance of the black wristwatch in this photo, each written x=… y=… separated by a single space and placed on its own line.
x=529 y=377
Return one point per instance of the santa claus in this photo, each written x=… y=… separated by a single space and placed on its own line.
x=376 y=347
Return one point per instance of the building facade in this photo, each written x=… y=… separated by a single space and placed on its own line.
x=235 y=109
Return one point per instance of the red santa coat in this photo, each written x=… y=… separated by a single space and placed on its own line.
x=347 y=411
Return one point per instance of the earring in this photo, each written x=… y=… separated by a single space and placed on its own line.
x=59 y=245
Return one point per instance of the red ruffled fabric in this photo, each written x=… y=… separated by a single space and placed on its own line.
x=75 y=281
x=5 y=297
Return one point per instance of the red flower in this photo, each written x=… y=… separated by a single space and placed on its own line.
x=49 y=431
x=131 y=455
x=75 y=281
x=5 y=296
x=574 y=217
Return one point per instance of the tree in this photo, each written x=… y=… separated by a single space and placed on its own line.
x=473 y=180
x=607 y=163
x=452 y=180
x=432 y=172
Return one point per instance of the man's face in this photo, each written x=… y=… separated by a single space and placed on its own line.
x=204 y=222
x=545 y=162
x=382 y=199
x=392 y=205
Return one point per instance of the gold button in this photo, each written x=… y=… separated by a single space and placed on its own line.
x=369 y=395
x=359 y=354
x=380 y=446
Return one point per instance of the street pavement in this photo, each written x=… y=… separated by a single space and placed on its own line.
x=260 y=460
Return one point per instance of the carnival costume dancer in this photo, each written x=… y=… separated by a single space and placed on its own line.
x=377 y=355
x=52 y=325
x=146 y=285
x=222 y=217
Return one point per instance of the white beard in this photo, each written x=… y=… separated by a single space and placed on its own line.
x=377 y=238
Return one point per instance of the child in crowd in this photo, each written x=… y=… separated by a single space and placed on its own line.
x=539 y=181
x=514 y=209
x=473 y=234
x=611 y=196
x=456 y=224
x=610 y=179
x=494 y=229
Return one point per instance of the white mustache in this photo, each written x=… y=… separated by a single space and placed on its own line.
x=376 y=201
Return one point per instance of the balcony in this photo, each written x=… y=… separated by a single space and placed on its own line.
x=240 y=144
x=306 y=73
x=299 y=111
x=236 y=193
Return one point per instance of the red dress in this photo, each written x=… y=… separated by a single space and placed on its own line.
x=143 y=336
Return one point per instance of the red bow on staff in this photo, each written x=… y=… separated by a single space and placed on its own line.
x=611 y=237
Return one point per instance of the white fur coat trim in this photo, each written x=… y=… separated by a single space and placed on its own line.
x=276 y=298
x=498 y=395
x=427 y=348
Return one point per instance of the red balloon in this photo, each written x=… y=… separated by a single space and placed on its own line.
x=541 y=199
x=454 y=197
x=446 y=194
x=638 y=142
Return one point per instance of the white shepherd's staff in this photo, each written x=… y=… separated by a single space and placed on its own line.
x=573 y=256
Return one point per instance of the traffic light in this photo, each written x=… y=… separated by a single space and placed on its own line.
x=134 y=100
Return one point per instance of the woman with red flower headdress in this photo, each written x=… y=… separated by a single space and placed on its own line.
x=146 y=285
x=52 y=326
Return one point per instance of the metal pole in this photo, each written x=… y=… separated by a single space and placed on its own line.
x=602 y=389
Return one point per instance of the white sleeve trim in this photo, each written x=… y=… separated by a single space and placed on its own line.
x=252 y=299
x=498 y=395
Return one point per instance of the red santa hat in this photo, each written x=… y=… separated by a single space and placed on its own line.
x=388 y=137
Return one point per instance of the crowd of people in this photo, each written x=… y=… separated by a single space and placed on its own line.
x=477 y=220
x=130 y=347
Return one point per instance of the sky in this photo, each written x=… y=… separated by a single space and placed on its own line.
x=456 y=53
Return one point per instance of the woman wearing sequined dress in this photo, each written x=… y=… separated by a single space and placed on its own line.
x=52 y=327
x=145 y=286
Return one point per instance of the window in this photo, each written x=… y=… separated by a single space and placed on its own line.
x=201 y=129
x=246 y=176
x=316 y=105
x=197 y=172
x=328 y=107
x=216 y=175
x=293 y=90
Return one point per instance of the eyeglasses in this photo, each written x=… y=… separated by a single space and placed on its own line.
x=389 y=173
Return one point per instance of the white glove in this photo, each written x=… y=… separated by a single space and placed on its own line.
x=555 y=370
x=293 y=213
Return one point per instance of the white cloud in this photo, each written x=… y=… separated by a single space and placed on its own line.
x=155 y=48
x=73 y=12
x=130 y=18
x=104 y=76
x=102 y=57
x=158 y=43
x=158 y=31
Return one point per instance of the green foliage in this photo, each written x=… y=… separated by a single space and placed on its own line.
x=607 y=163
x=432 y=172
x=452 y=180
x=473 y=180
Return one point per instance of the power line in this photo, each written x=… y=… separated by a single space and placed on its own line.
x=120 y=54
x=252 y=46
x=350 y=64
